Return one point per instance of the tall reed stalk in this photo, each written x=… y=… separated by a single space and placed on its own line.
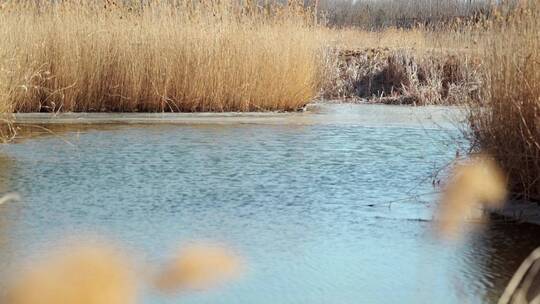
x=507 y=125
x=164 y=56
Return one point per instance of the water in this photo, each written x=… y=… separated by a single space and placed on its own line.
x=319 y=205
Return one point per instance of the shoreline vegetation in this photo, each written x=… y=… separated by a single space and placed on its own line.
x=219 y=56
x=174 y=57
x=507 y=123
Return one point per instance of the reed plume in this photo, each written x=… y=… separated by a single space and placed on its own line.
x=81 y=274
x=198 y=266
x=475 y=183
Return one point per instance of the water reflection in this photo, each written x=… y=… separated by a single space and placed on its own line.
x=494 y=254
x=33 y=131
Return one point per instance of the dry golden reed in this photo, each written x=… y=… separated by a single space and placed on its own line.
x=164 y=56
x=350 y=38
x=97 y=273
x=198 y=266
x=79 y=274
x=475 y=183
x=507 y=124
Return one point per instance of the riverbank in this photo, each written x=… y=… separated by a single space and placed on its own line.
x=520 y=211
x=316 y=113
x=507 y=123
x=214 y=57
x=159 y=57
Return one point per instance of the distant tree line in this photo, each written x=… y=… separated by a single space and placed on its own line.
x=369 y=14
x=403 y=13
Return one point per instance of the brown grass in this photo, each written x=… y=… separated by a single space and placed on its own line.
x=185 y=56
x=507 y=124
x=405 y=76
x=351 y=38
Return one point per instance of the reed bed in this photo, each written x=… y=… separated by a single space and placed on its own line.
x=507 y=123
x=163 y=56
x=98 y=272
x=405 y=76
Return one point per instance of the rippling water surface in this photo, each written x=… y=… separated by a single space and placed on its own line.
x=316 y=203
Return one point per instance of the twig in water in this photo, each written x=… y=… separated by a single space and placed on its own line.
x=9 y=197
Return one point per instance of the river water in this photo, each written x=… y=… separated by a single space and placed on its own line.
x=330 y=206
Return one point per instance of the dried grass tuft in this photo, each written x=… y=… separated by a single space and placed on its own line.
x=405 y=77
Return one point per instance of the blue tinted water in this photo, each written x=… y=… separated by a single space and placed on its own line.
x=316 y=209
